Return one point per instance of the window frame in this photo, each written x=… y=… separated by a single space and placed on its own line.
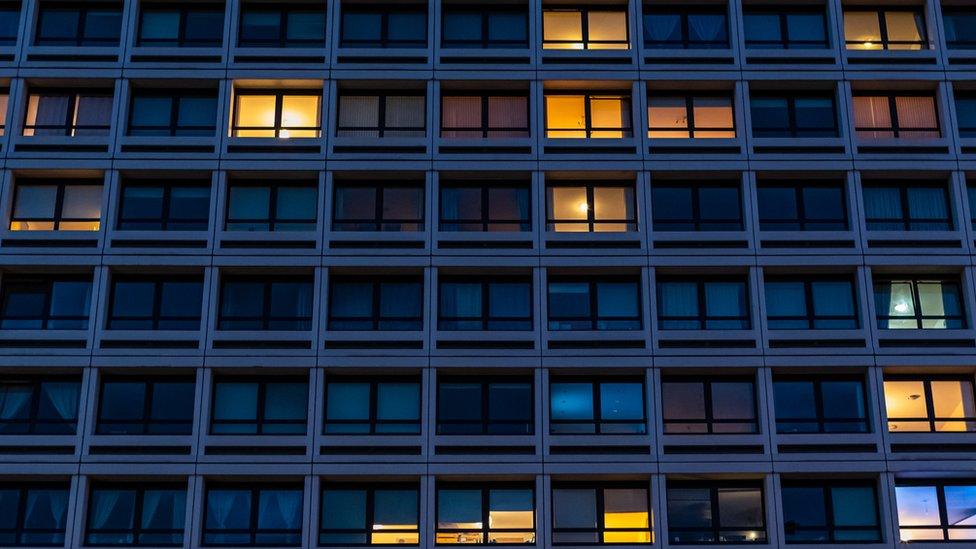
x=485 y=186
x=798 y=186
x=484 y=12
x=906 y=220
x=485 y=319
x=703 y=318
x=940 y=484
x=379 y=221
x=598 y=421
x=486 y=129
x=82 y=9
x=48 y=281
x=827 y=487
x=591 y=221
x=383 y=10
x=255 y=490
x=931 y=419
x=369 y=508
x=785 y=42
x=485 y=488
x=594 y=318
x=165 y=218
x=683 y=11
x=794 y=130
x=696 y=188
x=137 y=530
x=382 y=97
x=266 y=318
x=272 y=221
x=710 y=421
x=279 y=95
x=486 y=422
x=175 y=97
x=627 y=106
x=717 y=528
x=817 y=382
x=920 y=318
x=584 y=10
x=58 y=203
x=181 y=41
x=880 y=12
x=260 y=422
x=895 y=129
x=149 y=382
x=375 y=314
x=70 y=128
x=812 y=317
x=601 y=529
x=372 y=422
x=690 y=126
x=158 y=283
x=32 y=422
x=283 y=11
x=24 y=489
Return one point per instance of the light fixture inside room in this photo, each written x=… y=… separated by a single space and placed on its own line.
x=901 y=307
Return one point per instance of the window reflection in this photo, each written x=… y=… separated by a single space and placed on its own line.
x=706 y=512
x=721 y=406
x=936 y=510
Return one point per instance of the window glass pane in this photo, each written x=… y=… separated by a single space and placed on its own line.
x=198 y=114
x=621 y=401
x=236 y=401
x=562 y=29
x=297 y=204
x=395 y=509
x=833 y=298
x=762 y=27
x=510 y=508
x=255 y=111
x=740 y=507
x=713 y=113
x=682 y=401
x=707 y=28
x=571 y=401
x=689 y=508
x=854 y=506
x=508 y=27
x=569 y=299
x=862 y=29
x=806 y=27
x=343 y=509
x=843 y=399
x=459 y=509
x=607 y=26
x=82 y=202
x=410 y=28
x=459 y=401
x=770 y=116
x=952 y=399
x=249 y=204
x=565 y=116
x=795 y=405
x=398 y=401
x=626 y=508
x=347 y=401
x=574 y=508
x=662 y=27
x=122 y=401
x=733 y=401
x=917 y=506
x=300 y=115
x=306 y=26
x=804 y=507
x=786 y=299
x=204 y=28
x=150 y=112
x=902 y=26
x=285 y=401
x=960 y=502
x=35 y=201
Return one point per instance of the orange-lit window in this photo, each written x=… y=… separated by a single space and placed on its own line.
x=690 y=117
x=887 y=116
x=615 y=513
x=53 y=206
x=3 y=112
x=930 y=405
x=485 y=514
x=582 y=115
x=373 y=514
x=584 y=29
x=581 y=207
x=284 y=114
x=884 y=29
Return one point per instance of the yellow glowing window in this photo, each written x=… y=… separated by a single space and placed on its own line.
x=930 y=405
x=276 y=114
x=478 y=515
x=576 y=29
x=386 y=514
x=694 y=117
x=586 y=515
x=591 y=208
x=53 y=206
x=884 y=29
x=584 y=116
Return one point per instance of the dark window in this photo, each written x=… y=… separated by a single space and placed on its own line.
x=694 y=27
x=487 y=207
x=895 y=116
x=776 y=115
x=585 y=28
x=933 y=404
x=372 y=406
x=960 y=27
x=802 y=206
x=591 y=207
x=597 y=406
x=33 y=514
x=605 y=513
x=820 y=405
x=491 y=115
x=369 y=514
x=966 y=110
x=383 y=27
x=299 y=25
x=587 y=115
x=164 y=206
x=606 y=303
x=485 y=303
x=473 y=406
x=884 y=28
x=9 y=23
x=484 y=27
x=266 y=303
x=43 y=205
x=918 y=303
x=715 y=206
x=282 y=113
x=496 y=513
x=374 y=114
x=971 y=195
x=68 y=113
x=146 y=406
x=789 y=30
x=263 y=515
x=37 y=302
x=47 y=406
x=385 y=207
x=149 y=514
x=691 y=116
x=376 y=303
x=716 y=512
x=725 y=405
x=149 y=302
x=906 y=207
x=185 y=26
x=79 y=24
x=260 y=407
x=825 y=511
x=822 y=303
x=182 y=113
x=934 y=510
x=284 y=206
x=684 y=303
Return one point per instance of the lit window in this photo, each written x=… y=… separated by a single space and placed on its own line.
x=384 y=207
x=960 y=27
x=35 y=514
x=704 y=206
x=721 y=406
x=830 y=511
x=712 y=303
x=902 y=116
x=492 y=115
x=692 y=27
x=376 y=303
x=68 y=114
x=37 y=302
x=482 y=406
x=820 y=405
x=266 y=303
x=4 y=100
x=146 y=406
x=182 y=113
x=394 y=26
x=9 y=23
x=941 y=404
x=380 y=514
x=604 y=406
x=485 y=303
x=164 y=206
x=299 y=25
x=281 y=114
x=884 y=29
x=497 y=26
x=79 y=24
x=584 y=29
x=913 y=206
x=802 y=206
x=690 y=116
x=920 y=303
x=286 y=206
x=595 y=514
x=594 y=208
x=792 y=29
x=52 y=206
x=494 y=514
x=495 y=206
x=716 y=512
x=793 y=115
x=153 y=302
x=588 y=303
x=174 y=25
x=253 y=514
x=372 y=406
x=260 y=407
x=596 y=116
x=936 y=510
x=39 y=406
x=823 y=303
x=401 y=114
x=150 y=514
x=965 y=110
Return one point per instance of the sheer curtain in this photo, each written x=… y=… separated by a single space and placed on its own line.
x=93 y=115
x=461 y=117
x=46 y=509
x=404 y=111
x=163 y=509
x=882 y=208
x=872 y=112
x=509 y=113
x=47 y=110
x=706 y=28
x=14 y=401
x=359 y=113
x=280 y=509
x=723 y=302
x=678 y=300
x=928 y=209
x=104 y=503
x=63 y=397
x=917 y=113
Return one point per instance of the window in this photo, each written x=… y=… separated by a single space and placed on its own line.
x=383 y=27
x=935 y=510
x=906 y=207
x=182 y=26
x=79 y=24
x=584 y=29
x=793 y=115
x=364 y=406
x=9 y=23
x=485 y=514
x=715 y=512
x=473 y=406
x=490 y=206
x=150 y=514
x=34 y=406
x=884 y=29
x=365 y=114
x=492 y=115
x=960 y=28
x=492 y=27
x=707 y=206
x=266 y=303
x=260 y=407
x=371 y=514
x=802 y=206
x=588 y=116
x=266 y=25
x=724 y=405
x=382 y=206
x=898 y=116
x=605 y=303
x=152 y=302
x=690 y=117
x=38 y=302
x=164 y=206
x=971 y=195
x=4 y=100
x=43 y=205
x=146 y=406
x=182 y=113
x=376 y=303
x=820 y=405
x=73 y=114
x=255 y=515
x=822 y=303
x=965 y=112
x=684 y=303
x=692 y=27
x=282 y=114
x=485 y=303
x=938 y=404
x=794 y=29
x=830 y=511
x=591 y=207
x=288 y=205
x=608 y=406
x=33 y=514
x=587 y=514
x=920 y=303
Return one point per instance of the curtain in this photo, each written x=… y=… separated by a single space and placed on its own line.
x=359 y=112
x=917 y=113
x=450 y=203
x=47 y=110
x=459 y=114
x=706 y=28
x=46 y=509
x=14 y=401
x=404 y=111
x=104 y=503
x=228 y=509
x=679 y=299
x=280 y=509
x=510 y=113
x=663 y=27
x=927 y=208
x=461 y=300
x=163 y=509
x=882 y=207
x=872 y=112
x=93 y=114
x=63 y=396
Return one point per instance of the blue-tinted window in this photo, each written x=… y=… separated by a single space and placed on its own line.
x=466 y=513
x=259 y=407
x=372 y=406
x=691 y=28
x=144 y=515
x=966 y=112
x=264 y=515
x=149 y=302
x=793 y=29
x=249 y=303
x=472 y=406
x=164 y=206
x=820 y=405
x=494 y=303
x=604 y=406
x=594 y=304
x=285 y=206
x=45 y=303
x=823 y=511
x=494 y=27
x=803 y=304
x=375 y=303
x=9 y=22
x=696 y=206
x=297 y=25
x=358 y=514
x=80 y=24
x=906 y=207
x=488 y=207
x=140 y=406
x=383 y=27
x=183 y=113
x=960 y=28
x=707 y=304
x=187 y=26
x=793 y=115
x=802 y=206
x=46 y=406
x=34 y=514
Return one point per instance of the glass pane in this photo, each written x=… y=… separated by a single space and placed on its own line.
x=562 y=29
x=459 y=509
x=917 y=505
x=621 y=401
x=398 y=401
x=862 y=30
x=343 y=509
x=741 y=507
x=571 y=401
x=854 y=506
x=574 y=508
